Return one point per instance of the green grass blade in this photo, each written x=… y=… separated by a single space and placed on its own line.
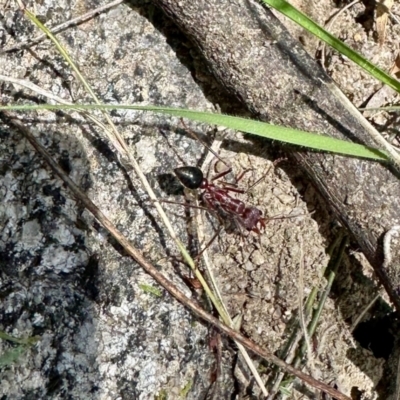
x=286 y=9
x=287 y=135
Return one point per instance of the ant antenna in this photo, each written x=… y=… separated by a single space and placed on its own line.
x=164 y=134
x=194 y=136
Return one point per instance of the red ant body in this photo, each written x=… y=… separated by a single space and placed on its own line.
x=218 y=198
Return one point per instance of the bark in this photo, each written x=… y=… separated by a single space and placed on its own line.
x=250 y=52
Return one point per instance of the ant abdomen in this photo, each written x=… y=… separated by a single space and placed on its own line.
x=191 y=177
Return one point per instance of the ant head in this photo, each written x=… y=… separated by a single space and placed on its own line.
x=191 y=177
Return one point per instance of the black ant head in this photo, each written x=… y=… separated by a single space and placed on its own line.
x=191 y=177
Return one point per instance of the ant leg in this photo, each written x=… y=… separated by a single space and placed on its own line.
x=221 y=174
x=231 y=187
x=227 y=185
x=209 y=243
x=275 y=163
x=258 y=181
x=165 y=136
x=240 y=176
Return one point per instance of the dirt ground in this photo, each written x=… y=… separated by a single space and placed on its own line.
x=103 y=335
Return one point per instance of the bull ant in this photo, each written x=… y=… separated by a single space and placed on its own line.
x=218 y=200
x=233 y=213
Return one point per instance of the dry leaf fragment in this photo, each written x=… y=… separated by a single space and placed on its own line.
x=382 y=13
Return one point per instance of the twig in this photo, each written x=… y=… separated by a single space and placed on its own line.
x=364 y=311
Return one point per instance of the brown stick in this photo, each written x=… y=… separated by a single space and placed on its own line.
x=257 y=61
x=151 y=270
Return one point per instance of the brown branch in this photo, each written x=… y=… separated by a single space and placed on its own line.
x=151 y=270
